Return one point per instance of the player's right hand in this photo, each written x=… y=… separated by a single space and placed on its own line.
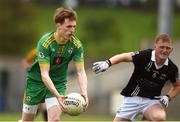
x=100 y=66
x=60 y=100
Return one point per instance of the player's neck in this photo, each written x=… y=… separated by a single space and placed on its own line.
x=59 y=39
x=160 y=62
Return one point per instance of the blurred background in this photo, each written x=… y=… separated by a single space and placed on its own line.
x=105 y=27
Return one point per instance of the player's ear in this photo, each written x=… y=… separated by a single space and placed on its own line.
x=58 y=25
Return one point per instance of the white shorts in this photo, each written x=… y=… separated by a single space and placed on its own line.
x=50 y=102
x=32 y=109
x=132 y=106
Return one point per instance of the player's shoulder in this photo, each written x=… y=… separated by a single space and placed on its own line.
x=46 y=35
x=146 y=52
x=47 y=39
x=76 y=42
x=34 y=50
x=172 y=64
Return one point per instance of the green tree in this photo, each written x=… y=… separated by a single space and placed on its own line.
x=102 y=33
x=16 y=26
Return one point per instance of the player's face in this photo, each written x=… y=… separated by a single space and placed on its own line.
x=163 y=49
x=67 y=29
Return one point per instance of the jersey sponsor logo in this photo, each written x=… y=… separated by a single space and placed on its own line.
x=148 y=84
x=155 y=73
x=58 y=60
x=41 y=55
x=163 y=76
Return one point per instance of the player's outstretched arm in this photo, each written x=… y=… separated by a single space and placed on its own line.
x=102 y=66
x=124 y=57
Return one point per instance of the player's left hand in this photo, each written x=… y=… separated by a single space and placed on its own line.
x=164 y=100
x=86 y=101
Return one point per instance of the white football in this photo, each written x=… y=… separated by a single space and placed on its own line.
x=74 y=104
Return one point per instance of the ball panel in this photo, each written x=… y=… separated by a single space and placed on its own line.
x=74 y=104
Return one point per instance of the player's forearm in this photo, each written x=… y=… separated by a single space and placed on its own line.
x=49 y=84
x=174 y=91
x=47 y=80
x=44 y=68
x=82 y=82
x=82 y=78
x=124 y=57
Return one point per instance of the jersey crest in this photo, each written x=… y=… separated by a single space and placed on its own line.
x=70 y=50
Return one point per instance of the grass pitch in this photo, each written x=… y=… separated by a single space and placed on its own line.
x=65 y=118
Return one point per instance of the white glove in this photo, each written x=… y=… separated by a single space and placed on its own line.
x=101 y=66
x=164 y=100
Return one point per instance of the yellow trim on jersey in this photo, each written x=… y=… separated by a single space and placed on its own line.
x=79 y=64
x=44 y=64
x=48 y=42
x=76 y=42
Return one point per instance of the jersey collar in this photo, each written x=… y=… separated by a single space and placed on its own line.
x=154 y=59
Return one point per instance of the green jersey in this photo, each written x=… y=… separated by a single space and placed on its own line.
x=57 y=55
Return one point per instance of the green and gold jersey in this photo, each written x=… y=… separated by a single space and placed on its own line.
x=58 y=56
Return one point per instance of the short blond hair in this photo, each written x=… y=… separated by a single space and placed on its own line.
x=62 y=13
x=163 y=37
